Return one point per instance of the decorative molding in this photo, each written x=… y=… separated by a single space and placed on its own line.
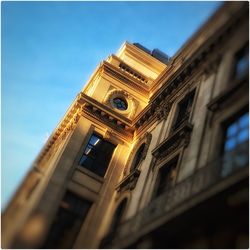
x=133 y=73
x=108 y=134
x=163 y=110
x=204 y=61
x=146 y=138
x=125 y=78
x=129 y=182
x=192 y=60
x=130 y=111
x=180 y=138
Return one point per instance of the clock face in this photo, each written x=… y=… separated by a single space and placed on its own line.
x=120 y=103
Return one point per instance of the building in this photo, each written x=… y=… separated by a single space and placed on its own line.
x=152 y=153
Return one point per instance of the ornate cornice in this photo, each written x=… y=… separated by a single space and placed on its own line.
x=202 y=60
x=84 y=105
x=196 y=60
x=143 y=79
x=67 y=124
x=126 y=79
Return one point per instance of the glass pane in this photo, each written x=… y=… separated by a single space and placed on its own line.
x=244 y=120
x=88 y=149
x=94 y=140
x=87 y=162
x=67 y=223
x=242 y=66
x=97 y=155
x=232 y=130
x=83 y=159
x=120 y=103
x=230 y=144
x=241 y=160
x=242 y=136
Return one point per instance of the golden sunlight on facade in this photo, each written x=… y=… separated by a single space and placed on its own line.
x=152 y=153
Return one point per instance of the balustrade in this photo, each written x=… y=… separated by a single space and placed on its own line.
x=125 y=68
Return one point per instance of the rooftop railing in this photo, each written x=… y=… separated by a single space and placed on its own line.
x=128 y=70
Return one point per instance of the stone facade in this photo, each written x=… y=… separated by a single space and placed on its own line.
x=167 y=184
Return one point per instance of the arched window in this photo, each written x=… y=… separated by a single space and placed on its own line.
x=118 y=215
x=137 y=158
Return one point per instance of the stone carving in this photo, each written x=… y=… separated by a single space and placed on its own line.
x=178 y=139
x=129 y=182
x=108 y=134
x=163 y=110
x=130 y=112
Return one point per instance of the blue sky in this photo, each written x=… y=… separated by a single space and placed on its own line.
x=50 y=49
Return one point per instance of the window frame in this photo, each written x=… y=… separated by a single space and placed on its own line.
x=243 y=50
x=135 y=163
x=66 y=210
x=116 y=221
x=230 y=153
x=193 y=93
x=175 y=158
x=94 y=171
x=227 y=123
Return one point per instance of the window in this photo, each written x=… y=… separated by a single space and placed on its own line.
x=97 y=155
x=236 y=144
x=184 y=109
x=242 y=63
x=166 y=176
x=118 y=216
x=120 y=103
x=138 y=157
x=68 y=221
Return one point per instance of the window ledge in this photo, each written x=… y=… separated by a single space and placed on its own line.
x=129 y=182
x=90 y=174
x=179 y=138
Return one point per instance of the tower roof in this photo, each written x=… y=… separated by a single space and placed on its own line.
x=156 y=53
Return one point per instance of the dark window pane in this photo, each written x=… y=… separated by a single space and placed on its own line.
x=88 y=149
x=243 y=136
x=94 y=140
x=97 y=155
x=232 y=130
x=120 y=103
x=227 y=164
x=83 y=159
x=166 y=177
x=137 y=158
x=87 y=163
x=230 y=144
x=184 y=109
x=118 y=216
x=242 y=63
x=241 y=66
x=68 y=221
x=244 y=121
x=235 y=145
